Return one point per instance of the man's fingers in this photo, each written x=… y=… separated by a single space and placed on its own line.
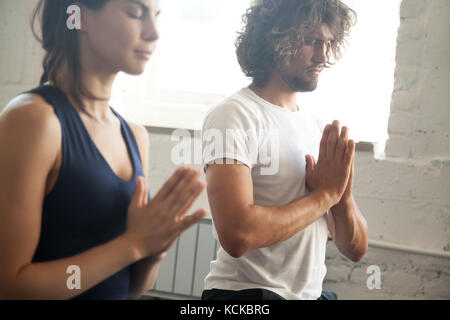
x=309 y=166
x=332 y=139
x=350 y=152
x=341 y=146
x=310 y=163
x=352 y=170
x=323 y=142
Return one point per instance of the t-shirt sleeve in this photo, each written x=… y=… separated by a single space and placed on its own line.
x=229 y=132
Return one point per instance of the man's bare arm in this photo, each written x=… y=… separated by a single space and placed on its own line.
x=243 y=226
x=350 y=231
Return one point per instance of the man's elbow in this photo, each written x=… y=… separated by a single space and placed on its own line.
x=356 y=258
x=359 y=255
x=235 y=245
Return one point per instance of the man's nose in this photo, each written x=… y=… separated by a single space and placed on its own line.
x=320 y=53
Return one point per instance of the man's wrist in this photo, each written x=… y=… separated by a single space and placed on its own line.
x=325 y=199
x=343 y=205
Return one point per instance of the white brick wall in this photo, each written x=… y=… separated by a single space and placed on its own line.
x=408 y=193
x=20 y=53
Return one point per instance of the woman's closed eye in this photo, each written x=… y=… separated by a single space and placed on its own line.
x=135 y=11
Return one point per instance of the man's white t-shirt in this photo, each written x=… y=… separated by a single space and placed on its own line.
x=272 y=141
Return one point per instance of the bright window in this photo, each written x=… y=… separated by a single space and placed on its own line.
x=195 y=66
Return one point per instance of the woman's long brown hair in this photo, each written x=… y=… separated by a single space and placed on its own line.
x=62 y=45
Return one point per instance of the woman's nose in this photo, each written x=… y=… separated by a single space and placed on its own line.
x=150 y=32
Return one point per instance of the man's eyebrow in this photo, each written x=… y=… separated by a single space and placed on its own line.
x=314 y=37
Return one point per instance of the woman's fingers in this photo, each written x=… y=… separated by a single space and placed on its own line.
x=136 y=198
x=171 y=183
x=187 y=198
x=143 y=195
x=183 y=184
x=192 y=219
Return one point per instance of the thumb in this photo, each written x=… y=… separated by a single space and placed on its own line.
x=309 y=164
x=136 y=199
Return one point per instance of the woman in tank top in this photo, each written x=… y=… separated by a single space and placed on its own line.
x=76 y=217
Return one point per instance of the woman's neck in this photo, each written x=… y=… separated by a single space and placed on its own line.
x=97 y=84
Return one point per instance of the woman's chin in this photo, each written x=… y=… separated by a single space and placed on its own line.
x=135 y=70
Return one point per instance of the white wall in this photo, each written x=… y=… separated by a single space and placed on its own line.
x=406 y=197
x=20 y=54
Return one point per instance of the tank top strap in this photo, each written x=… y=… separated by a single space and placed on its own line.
x=51 y=95
x=129 y=136
x=76 y=139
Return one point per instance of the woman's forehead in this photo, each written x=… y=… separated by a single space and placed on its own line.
x=150 y=4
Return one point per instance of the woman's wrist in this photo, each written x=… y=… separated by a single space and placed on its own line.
x=132 y=249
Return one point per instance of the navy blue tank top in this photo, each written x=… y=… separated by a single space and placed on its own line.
x=88 y=205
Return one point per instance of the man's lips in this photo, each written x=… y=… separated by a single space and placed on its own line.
x=315 y=70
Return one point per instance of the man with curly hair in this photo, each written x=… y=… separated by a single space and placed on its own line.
x=273 y=224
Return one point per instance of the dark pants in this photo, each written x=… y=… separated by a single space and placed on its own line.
x=253 y=294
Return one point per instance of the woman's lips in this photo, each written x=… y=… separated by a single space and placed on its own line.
x=143 y=54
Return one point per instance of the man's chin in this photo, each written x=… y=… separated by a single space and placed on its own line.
x=305 y=86
x=300 y=85
x=310 y=88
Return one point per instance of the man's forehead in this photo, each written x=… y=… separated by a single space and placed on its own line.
x=321 y=31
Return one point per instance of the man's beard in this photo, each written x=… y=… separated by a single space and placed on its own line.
x=298 y=84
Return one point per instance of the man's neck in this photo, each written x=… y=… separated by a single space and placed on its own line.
x=277 y=93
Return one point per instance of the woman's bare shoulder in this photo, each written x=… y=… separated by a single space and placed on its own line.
x=28 y=117
x=27 y=110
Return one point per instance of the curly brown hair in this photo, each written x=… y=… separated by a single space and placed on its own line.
x=274 y=32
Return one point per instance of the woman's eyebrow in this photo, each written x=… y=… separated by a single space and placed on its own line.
x=144 y=7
